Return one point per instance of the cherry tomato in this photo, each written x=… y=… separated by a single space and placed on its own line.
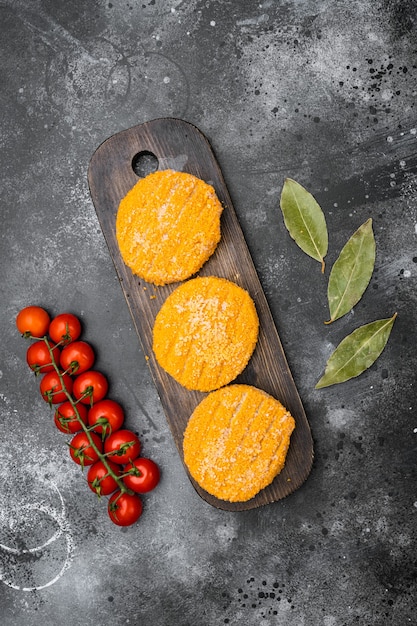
x=143 y=475
x=106 y=417
x=65 y=328
x=51 y=388
x=38 y=356
x=66 y=420
x=100 y=481
x=90 y=387
x=124 y=509
x=81 y=450
x=122 y=446
x=77 y=357
x=33 y=321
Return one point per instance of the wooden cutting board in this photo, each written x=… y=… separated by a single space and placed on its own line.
x=176 y=144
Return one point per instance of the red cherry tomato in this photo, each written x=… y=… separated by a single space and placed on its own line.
x=122 y=446
x=143 y=475
x=124 y=509
x=100 y=481
x=33 y=321
x=90 y=387
x=51 y=388
x=77 y=357
x=81 y=450
x=38 y=356
x=65 y=328
x=106 y=417
x=66 y=420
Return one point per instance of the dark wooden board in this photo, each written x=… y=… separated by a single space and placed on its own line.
x=181 y=146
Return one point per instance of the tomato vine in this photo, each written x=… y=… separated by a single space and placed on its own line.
x=100 y=442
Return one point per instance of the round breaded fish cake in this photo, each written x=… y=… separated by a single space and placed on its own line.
x=205 y=332
x=167 y=226
x=236 y=442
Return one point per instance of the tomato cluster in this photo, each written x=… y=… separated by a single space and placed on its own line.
x=82 y=409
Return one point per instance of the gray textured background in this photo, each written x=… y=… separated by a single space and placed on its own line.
x=323 y=92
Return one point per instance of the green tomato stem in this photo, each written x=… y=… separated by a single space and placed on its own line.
x=101 y=456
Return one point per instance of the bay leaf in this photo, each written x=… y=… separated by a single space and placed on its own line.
x=351 y=272
x=357 y=352
x=304 y=220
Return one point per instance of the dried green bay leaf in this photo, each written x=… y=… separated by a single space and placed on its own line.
x=356 y=352
x=351 y=272
x=304 y=220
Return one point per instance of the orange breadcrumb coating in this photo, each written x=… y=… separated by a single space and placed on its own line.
x=236 y=442
x=167 y=226
x=205 y=332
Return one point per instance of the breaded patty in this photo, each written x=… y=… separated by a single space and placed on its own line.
x=167 y=226
x=205 y=332
x=236 y=442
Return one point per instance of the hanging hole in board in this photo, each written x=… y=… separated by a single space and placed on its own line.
x=144 y=163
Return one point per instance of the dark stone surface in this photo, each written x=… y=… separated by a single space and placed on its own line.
x=323 y=92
